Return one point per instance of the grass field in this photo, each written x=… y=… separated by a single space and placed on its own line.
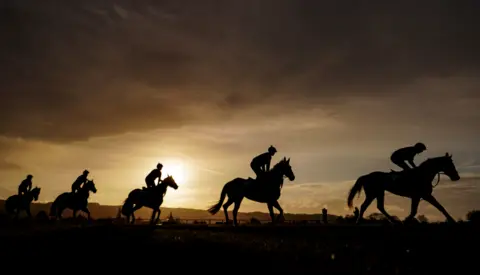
x=331 y=249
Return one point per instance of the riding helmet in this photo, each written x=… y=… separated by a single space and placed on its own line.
x=420 y=146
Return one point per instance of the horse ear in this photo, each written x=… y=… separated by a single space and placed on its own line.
x=446 y=154
x=288 y=160
x=284 y=158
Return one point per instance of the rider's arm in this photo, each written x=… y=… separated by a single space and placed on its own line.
x=412 y=163
x=268 y=166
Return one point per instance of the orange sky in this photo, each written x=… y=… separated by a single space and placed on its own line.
x=115 y=87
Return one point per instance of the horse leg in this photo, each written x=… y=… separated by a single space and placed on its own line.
x=413 y=210
x=154 y=213
x=279 y=208
x=381 y=207
x=133 y=212
x=158 y=215
x=368 y=200
x=270 y=211
x=431 y=199
x=59 y=213
x=28 y=212
x=225 y=209
x=133 y=218
x=85 y=209
x=236 y=207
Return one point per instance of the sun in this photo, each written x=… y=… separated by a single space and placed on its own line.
x=175 y=168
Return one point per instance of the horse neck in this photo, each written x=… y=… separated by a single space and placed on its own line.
x=276 y=175
x=430 y=168
x=28 y=197
x=84 y=192
x=162 y=188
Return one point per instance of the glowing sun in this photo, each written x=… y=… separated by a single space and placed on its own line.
x=177 y=169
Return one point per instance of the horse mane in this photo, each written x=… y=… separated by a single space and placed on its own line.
x=429 y=161
x=278 y=164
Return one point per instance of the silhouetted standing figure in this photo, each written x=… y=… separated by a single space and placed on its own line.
x=25 y=186
x=325 y=215
x=261 y=163
x=403 y=155
x=154 y=174
x=82 y=179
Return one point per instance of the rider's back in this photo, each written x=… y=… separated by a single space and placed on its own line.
x=155 y=173
x=25 y=183
x=80 y=179
x=261 y=159
x=406 y=153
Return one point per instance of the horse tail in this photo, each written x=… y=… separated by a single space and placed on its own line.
x=127 y=207
x=216 y=207
x=357 y=188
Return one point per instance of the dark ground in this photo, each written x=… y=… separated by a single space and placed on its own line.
x=415 y=249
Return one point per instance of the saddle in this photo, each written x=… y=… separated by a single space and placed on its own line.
x=395 y=175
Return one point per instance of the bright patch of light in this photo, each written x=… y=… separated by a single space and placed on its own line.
x=177 y=169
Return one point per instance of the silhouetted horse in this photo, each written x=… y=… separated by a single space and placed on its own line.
x=151 y=197
x=266 y=190
x=14 y=204
x=413 y=183
x=75 y=201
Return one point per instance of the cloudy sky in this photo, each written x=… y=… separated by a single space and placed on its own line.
x=204 y=86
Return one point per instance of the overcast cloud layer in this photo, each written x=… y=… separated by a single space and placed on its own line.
x=336 y=85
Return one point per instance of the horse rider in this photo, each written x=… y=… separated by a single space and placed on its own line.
x=25 y=186
x=261 y=163
x=82 y=179
x=154 y=174
x=403 y=155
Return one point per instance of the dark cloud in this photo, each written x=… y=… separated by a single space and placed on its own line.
x=6 y=165
x=77 y=69
x=8 y=148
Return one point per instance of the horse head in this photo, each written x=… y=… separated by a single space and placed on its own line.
x=90 y=186
x=446 y=166
x=35 y=193
x=286 y=169
x=169 y=181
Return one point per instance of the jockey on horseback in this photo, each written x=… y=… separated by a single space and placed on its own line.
x=25 y=186
x=261 y=163
x=155 y=173
x=79 y=181
x=403 y=155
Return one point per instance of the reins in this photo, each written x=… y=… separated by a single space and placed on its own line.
x=438 y=179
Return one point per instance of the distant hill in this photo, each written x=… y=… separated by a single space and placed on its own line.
x=99 y=211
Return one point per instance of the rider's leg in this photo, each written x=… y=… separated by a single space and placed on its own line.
x=254 y=169
x=150 y=183
x=400 y=163
x=404 y=166
x=257 y=171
